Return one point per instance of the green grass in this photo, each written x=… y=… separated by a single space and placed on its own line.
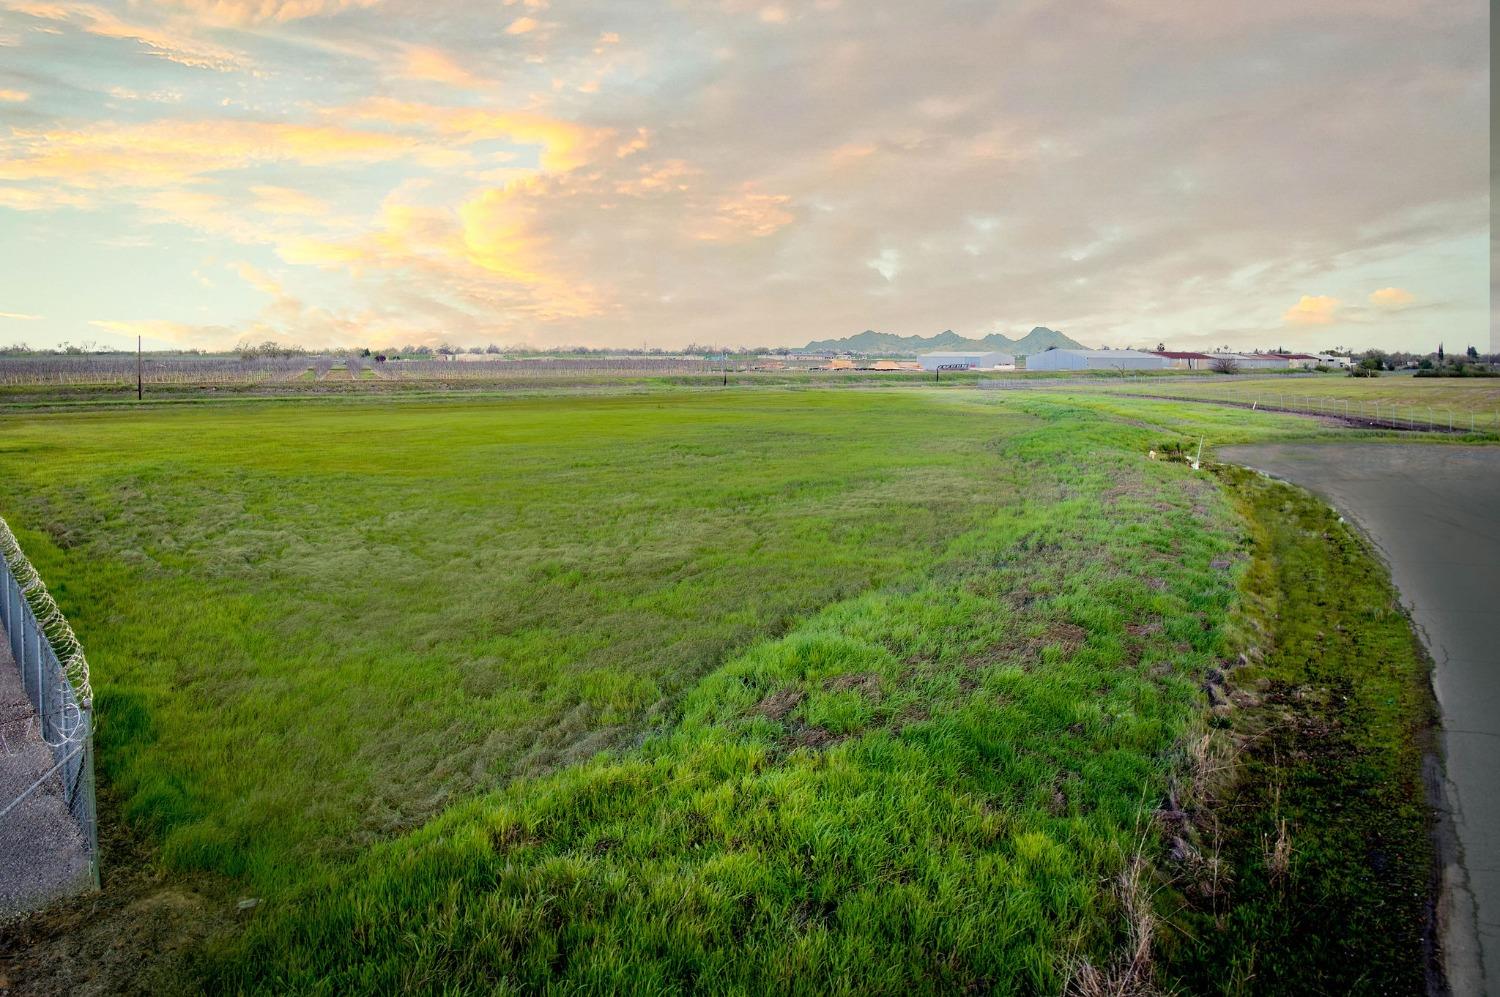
x=929 y=785
x=1334 y=718
x=315 y=626
x=747 y=690
x=1407 y=396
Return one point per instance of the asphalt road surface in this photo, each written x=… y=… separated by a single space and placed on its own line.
x=1434 y=512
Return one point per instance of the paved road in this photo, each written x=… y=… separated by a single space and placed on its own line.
x=1434 y=511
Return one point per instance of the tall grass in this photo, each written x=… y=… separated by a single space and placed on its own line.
x=763 y=690
x=315 y=626
x=928 y=786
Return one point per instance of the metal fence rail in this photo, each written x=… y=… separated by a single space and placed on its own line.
x=55 y=676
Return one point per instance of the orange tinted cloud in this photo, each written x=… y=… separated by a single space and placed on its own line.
x=522 y=26
x=39 y=199
x=259 y=279
x=745 y=214
x=14 y=96
x=171 y=152
x=318 y=252
x=172 y=42
x=262 y=11
x=426 y=63
x=1312 y=310
x=175 y=332
x=286 y=201
x=565 y=145
x=1391 y=297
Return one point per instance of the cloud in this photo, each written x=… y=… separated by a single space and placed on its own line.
x=565 y=145
x=40 y=199
x=241 y=12
x=1391 y=297
x=320 y=253
x=14 y=96
x=259 y=279
x=273 y=200
x=424 y=62
x=171 y=41
x=1312 y=310
x=163 y=330
x=170 y=152
x=20 y=317
x=744 y=214
x=620 y=168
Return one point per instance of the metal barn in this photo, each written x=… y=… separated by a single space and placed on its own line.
x=970 y=361
x=1096 y=360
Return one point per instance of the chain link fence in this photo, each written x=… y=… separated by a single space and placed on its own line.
x=47 y=739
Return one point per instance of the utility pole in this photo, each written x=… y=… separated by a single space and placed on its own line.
x=137 y=368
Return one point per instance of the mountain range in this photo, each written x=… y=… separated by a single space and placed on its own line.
x=869 y=341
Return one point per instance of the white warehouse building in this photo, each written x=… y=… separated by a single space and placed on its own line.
x=1096 y=360
x=967 y=361
x=1255 y=361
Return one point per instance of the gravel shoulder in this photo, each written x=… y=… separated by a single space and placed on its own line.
x=44 y=853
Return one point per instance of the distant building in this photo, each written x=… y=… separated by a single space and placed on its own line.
x=967 y=361
x=1185 y=361
x=1255 y=361
x=1303 y=360
x=1096 y=360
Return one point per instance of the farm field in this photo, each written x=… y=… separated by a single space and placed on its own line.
x=1403 y=394
x=756 y=689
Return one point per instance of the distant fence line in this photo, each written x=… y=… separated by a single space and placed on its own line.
x=120 y=369
x=55 y=675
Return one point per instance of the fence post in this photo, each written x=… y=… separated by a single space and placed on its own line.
x=34 y=652
x=13 y=621
x=90 y=814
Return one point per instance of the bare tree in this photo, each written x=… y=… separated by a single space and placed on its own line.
x=1224 y=365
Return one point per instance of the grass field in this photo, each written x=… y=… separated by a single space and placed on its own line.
x=1403 y=395
x=753 y=690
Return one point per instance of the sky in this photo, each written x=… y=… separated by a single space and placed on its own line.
x=624 y=172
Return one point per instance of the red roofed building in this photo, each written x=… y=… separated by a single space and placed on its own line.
x=1186 y=361
x=1304 y=360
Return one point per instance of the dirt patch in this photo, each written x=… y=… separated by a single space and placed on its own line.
x=911 y=713
x=131 y=937
x=1025 y=650
x=781 y=702
x=865 y=683
x=813 y=737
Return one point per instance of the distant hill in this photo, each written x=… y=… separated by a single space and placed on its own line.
x=869 y=341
